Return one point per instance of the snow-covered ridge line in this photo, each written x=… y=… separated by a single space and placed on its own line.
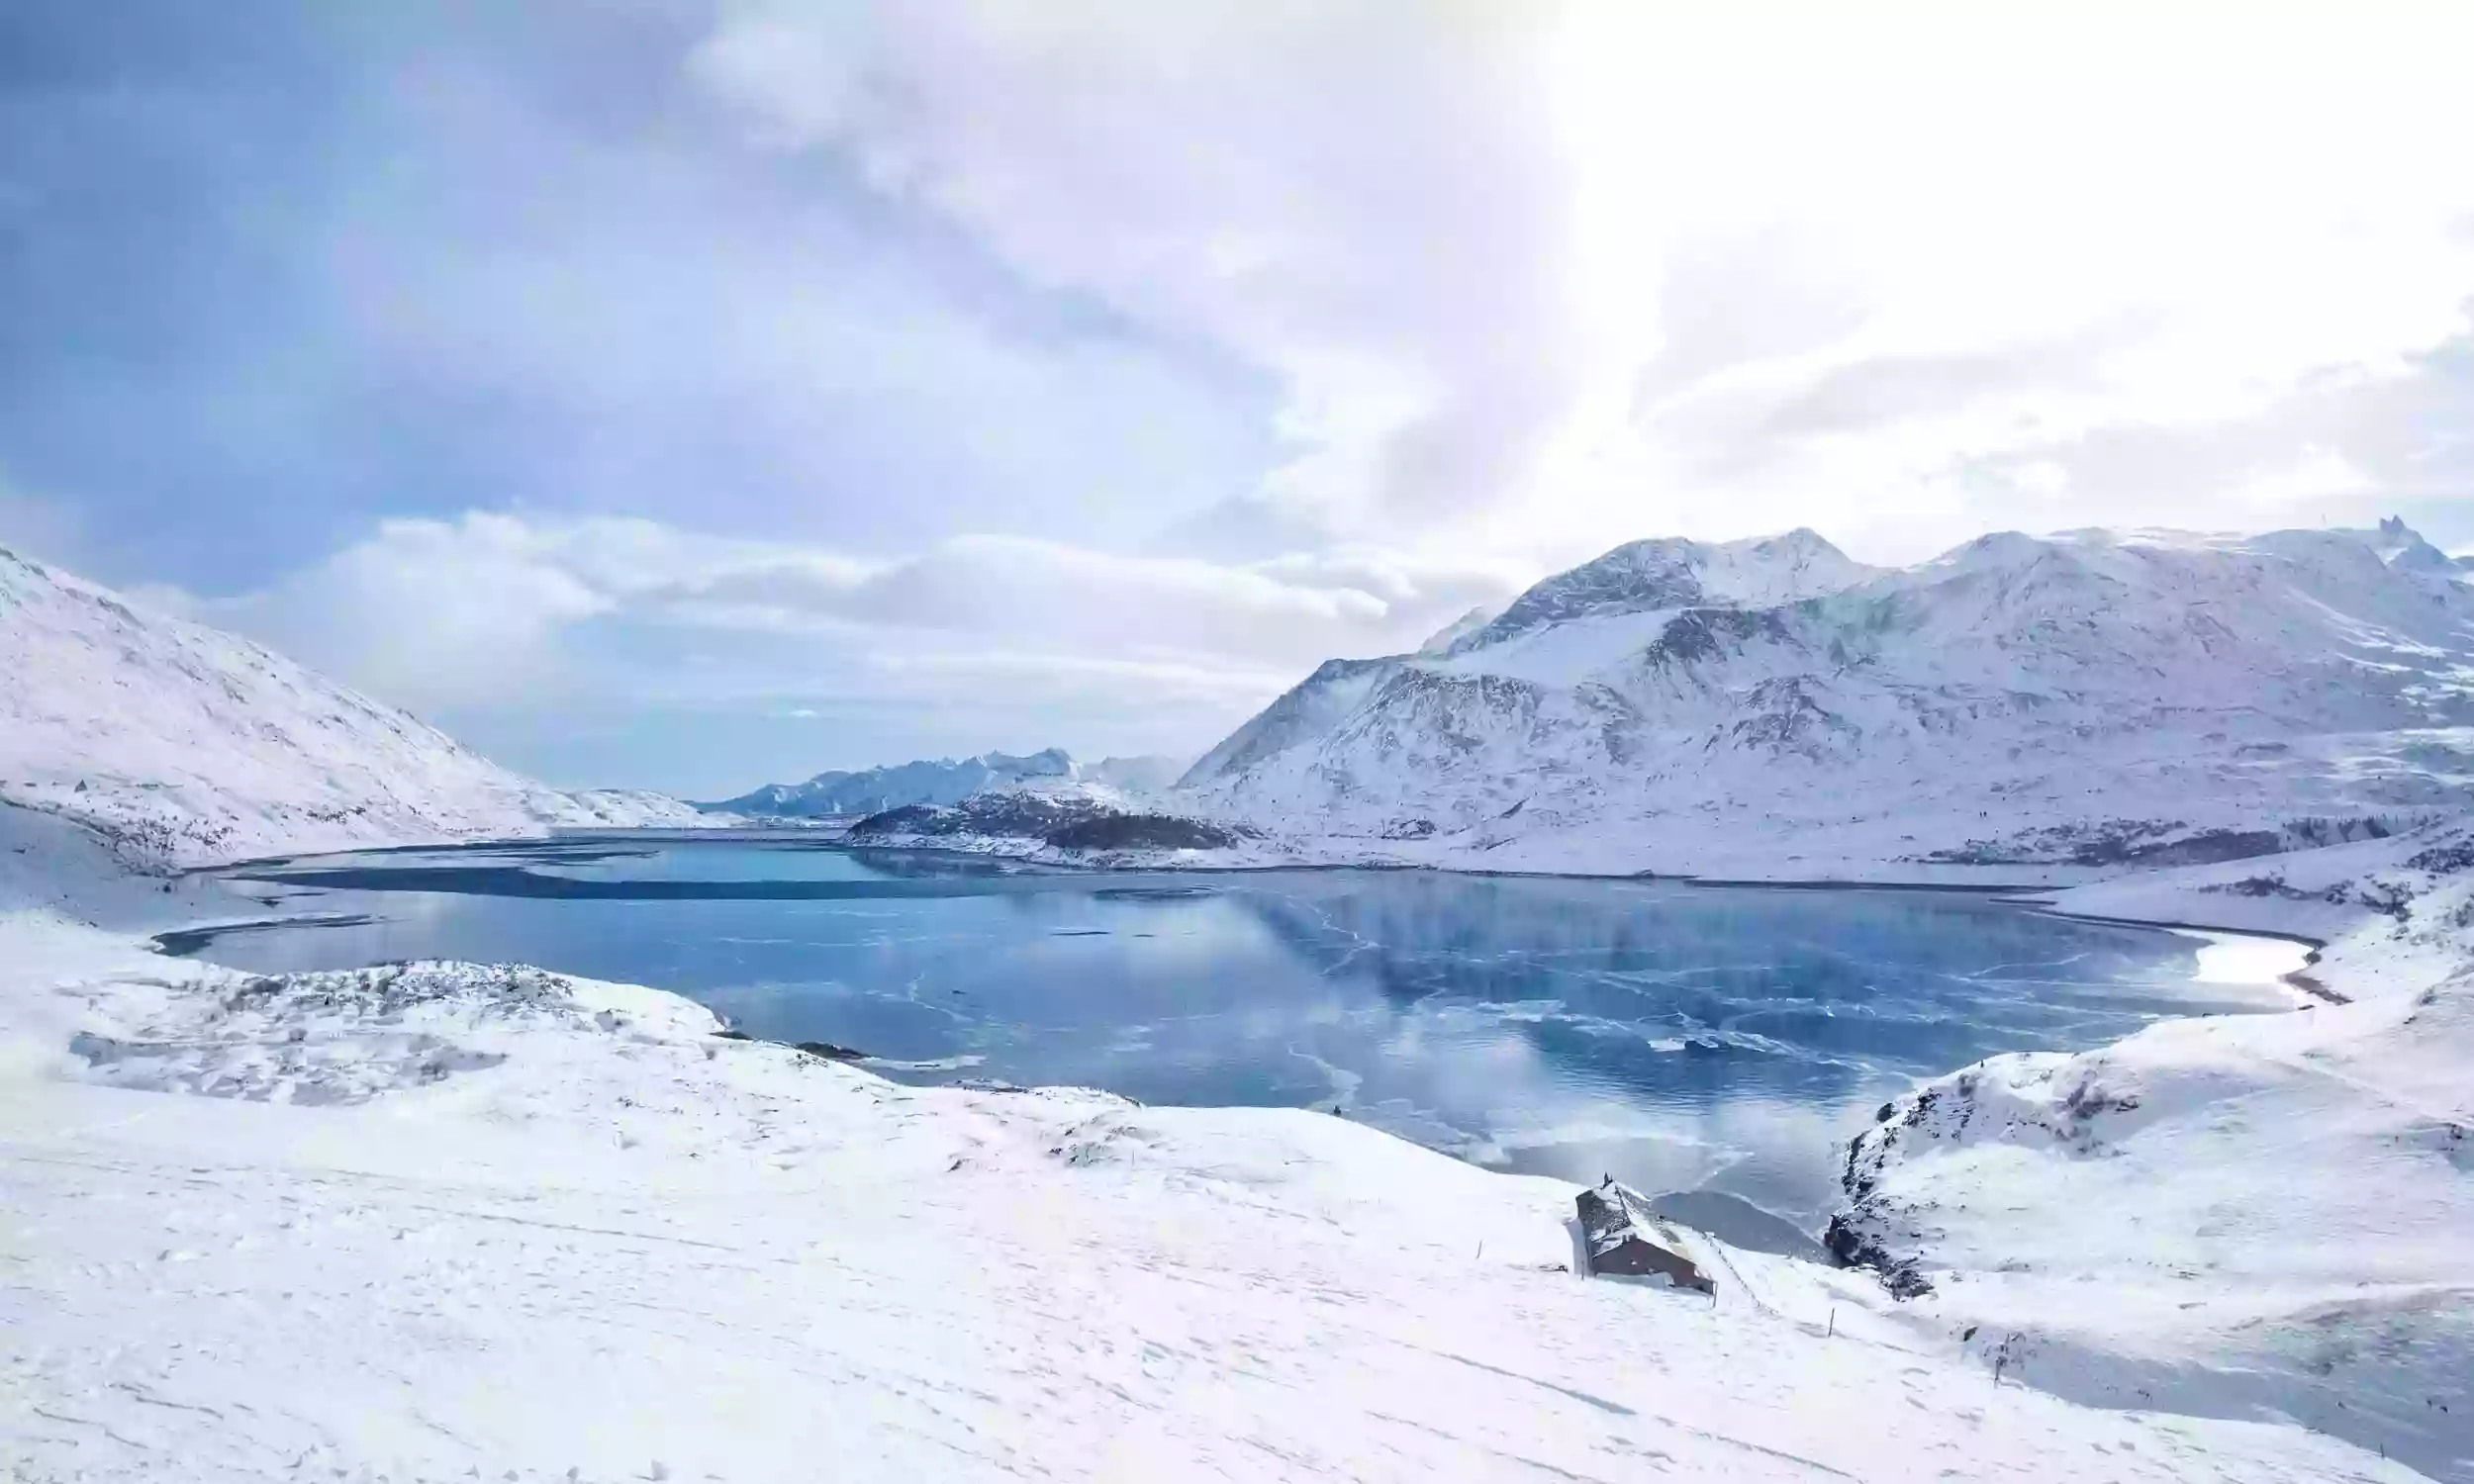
x=1762 y=710
x=180 y=744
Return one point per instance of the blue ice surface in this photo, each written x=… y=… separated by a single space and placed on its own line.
x=1677 y=1036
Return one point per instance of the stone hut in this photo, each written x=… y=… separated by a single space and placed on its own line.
x=1623 y=1240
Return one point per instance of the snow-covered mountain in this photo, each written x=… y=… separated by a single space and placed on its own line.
x=2089 y=697
x=1442 y=639
x=1663 y=575
x=182 y=744
x=946 y=781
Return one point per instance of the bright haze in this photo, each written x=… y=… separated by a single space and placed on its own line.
x=683 y=395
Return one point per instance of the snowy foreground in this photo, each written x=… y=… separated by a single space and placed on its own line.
x=419 y=1224
x=409 y=1224
x=2228 y=1215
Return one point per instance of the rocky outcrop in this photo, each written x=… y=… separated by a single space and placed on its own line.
x=1019 y=819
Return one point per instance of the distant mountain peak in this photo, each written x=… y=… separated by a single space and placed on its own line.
x=1672 y=571
x=1679 y=698
x=1442 y=639
x=944 y=781
x=2400 y=546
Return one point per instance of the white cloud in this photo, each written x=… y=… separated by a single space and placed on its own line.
x=498 y=610
x=2317 y=474
x=428 y=614
x=1365 y=198
x=1103 y=363
x=1539 y=278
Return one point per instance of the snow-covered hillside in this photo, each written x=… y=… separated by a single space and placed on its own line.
x=2092 y=698
x=2242 y=1215
x=946 y=781
x=182 y=744
x=444 y=1222
x=1662 y=575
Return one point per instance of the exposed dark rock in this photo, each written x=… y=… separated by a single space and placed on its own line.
x=1634 y=578
x=2261 y=885
x=2444 y=860
x=1140 y=832
x=1788 y=719
x=1902 y=1276
x=1699 y=633
x=1021 y=815
x=2207 y=847
x=2116 y=842
x=1067 y=823
x=910 y=819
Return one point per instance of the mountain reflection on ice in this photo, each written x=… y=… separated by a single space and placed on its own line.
x=1681 y=1038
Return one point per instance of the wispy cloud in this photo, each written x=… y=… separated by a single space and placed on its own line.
x=492 y=611
x=1544 y=277
x=912 y=363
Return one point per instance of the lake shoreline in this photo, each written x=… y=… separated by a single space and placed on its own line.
x=2156 y=903
x=732 y=869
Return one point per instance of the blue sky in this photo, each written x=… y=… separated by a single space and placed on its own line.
x=687 y=394
x=276 y=270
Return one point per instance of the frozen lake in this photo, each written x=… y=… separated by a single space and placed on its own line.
x=1683 y=1038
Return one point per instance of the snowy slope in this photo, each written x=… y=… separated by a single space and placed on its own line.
x=1439 y=643
x=2083 y=699
x=443 y=1222
x=2241 y=1215
x=1299 y=718
x=945 y=781
x=1668 y=573
x=182 y=744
